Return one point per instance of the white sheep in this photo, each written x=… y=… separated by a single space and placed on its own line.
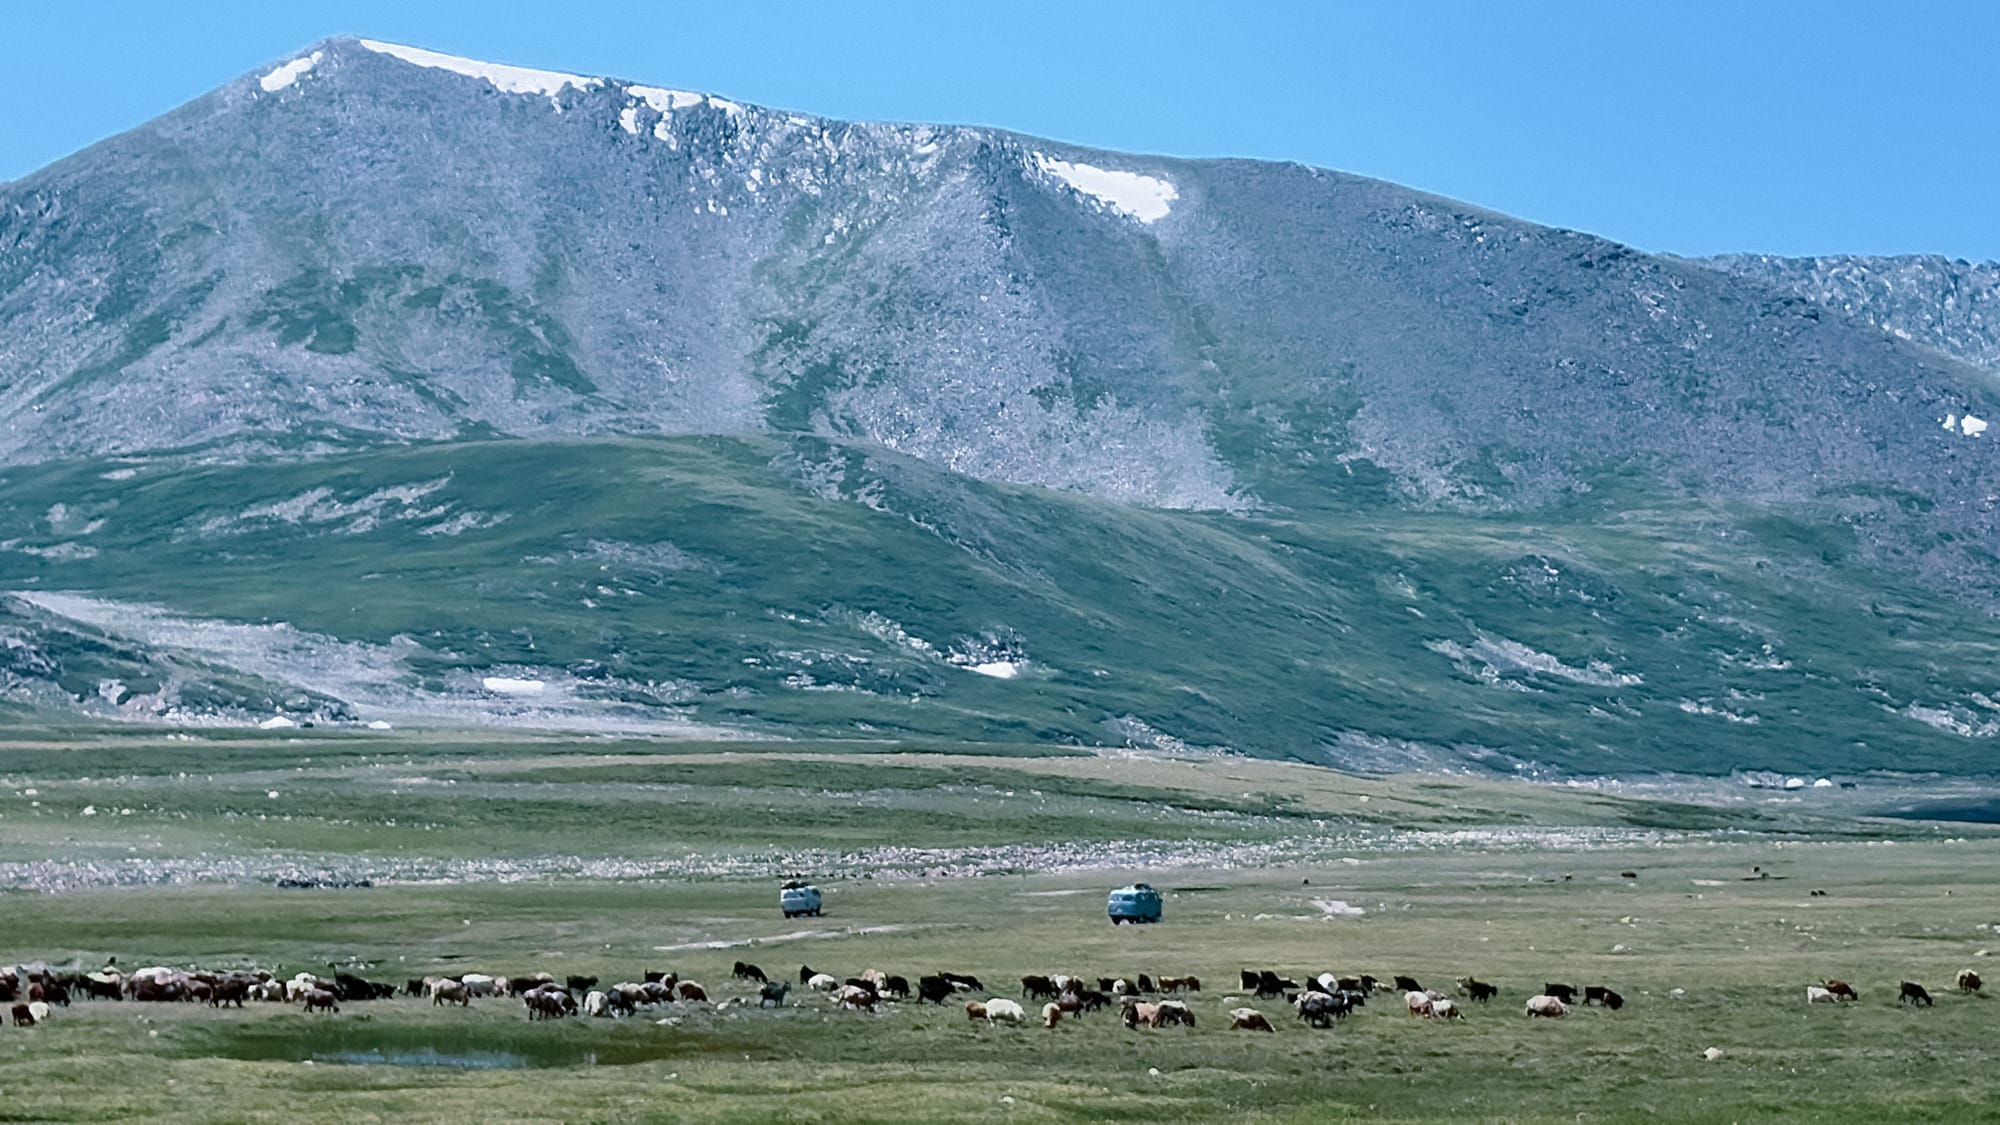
x=1002 y=1010
x=1547 y=1007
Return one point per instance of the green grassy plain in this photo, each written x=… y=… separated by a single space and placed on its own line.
x=1518 y=884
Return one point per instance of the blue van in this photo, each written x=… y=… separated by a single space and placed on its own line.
x=1135 y=904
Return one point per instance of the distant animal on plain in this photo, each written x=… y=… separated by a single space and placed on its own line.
x=1478 y=991
x=1248 y=1019
x=1547 y=1007
x=999 y=1009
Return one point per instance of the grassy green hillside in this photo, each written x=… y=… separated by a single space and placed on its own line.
x=973 y=862
x=800 y=588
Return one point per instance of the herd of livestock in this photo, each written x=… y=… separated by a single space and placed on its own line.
x=32 y=993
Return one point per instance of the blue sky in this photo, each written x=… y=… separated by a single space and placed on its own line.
x=1692 y=127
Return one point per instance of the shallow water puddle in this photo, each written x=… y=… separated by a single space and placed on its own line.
x=432 y=1057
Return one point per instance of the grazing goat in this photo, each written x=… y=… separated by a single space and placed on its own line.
x=1478 y=991
x=822 y=982
x=1968 y=981
x=1038 y=987
x=898 y=987
x=772 y=993
x=1914 y=993
x=1320 y=1009
x=1817 y=995
x=322 y=999
x=1563 y=992
x=974 y=1010
x=746 y=971
x=855 y=998
x=933 y=989
x=1419 y=1003
x=1598 y=994
x=1180 y=984
x=1547 y=1007
x=1248 y=1019
x=1002 y=1010
x=1842 y=990
x=1271 y=984
x=1443 y=1009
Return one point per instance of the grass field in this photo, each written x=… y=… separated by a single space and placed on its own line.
x=972 y=862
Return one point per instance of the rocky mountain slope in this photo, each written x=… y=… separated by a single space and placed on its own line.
x=381 y=383
x=1949 y=305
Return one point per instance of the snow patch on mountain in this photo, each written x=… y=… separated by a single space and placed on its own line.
x=1144 y=198
x=290 y=72
x=508 y=79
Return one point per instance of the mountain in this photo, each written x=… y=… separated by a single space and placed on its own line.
x=1949 y=305
x=380 y=384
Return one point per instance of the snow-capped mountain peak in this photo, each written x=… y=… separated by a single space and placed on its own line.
x=508 y=79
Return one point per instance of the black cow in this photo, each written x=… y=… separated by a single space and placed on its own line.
x=898 y=987
x=1563 y=992
x=1146 y=983
x=1914 y=993
x=1598 y=994
x=1479 y=990
x=1038 y=988
x=1407 y=984
x=579 y=984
